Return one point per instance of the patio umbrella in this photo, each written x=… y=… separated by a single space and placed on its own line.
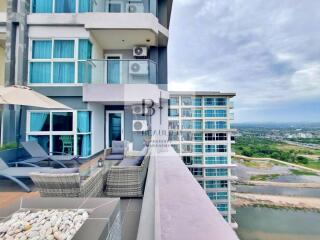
x=25 y=96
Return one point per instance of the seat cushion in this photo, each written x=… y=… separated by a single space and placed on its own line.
x=114 y=157
x=132 y=161
x=117 y=147
x=60 y=170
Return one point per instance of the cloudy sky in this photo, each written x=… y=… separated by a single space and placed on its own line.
x=268 y=52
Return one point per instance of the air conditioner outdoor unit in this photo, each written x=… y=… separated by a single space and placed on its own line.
x=139 y=125
x=138 y=68
x=138 y=109
x=140 y=51
x=135 y=7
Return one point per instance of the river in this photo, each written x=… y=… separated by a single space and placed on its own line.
x=260 y=223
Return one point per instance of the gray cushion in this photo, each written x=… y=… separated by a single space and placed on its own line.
x=3 y=165
x=60 y=170
x=114 y=157
x=129 y=162
x=117 y=147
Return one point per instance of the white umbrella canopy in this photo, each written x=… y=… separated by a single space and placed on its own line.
x=24 y=96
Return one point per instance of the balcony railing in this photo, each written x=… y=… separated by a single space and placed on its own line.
x=115 y=71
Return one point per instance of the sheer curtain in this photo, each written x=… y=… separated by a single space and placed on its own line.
x=37 y=120
x=40 y=72
x=85 y=6
x=84 y=69
x=84 y=127
x=65 y=6
x=113 y=71
x=41 y=49
x=42 y=6
x=63 y=49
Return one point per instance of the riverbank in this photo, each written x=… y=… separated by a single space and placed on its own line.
x=280 y=184
x=249 y=199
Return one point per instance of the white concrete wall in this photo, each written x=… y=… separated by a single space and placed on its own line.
x=98 y=127
x=2 y=65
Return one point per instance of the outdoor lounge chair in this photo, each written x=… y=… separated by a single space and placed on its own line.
x=51 y=184
x=14 y=173
x=38 y=154
x=128 y=178
x=117 y=151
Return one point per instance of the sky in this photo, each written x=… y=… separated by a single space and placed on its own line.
x=267 y=52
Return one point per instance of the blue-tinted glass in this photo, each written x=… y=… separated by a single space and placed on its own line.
x=63 y=49
x=221 y=113
x=43 y=141
x=40 y=72
x=63 y=72
x=42 y=6
x=41 y=49
x=84 y=68
x=84 y=122
x=65 y=6
x=113 y=71
x=85 y=6
x=197 y=101
x=84 y=145
x=39 y=121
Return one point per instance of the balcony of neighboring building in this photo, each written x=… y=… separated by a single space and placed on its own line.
x=143 y=22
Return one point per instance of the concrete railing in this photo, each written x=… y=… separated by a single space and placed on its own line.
x=175 y=206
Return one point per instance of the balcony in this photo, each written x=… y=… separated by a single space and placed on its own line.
x=120 y=81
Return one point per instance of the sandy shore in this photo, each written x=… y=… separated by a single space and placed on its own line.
x=249 y=199
x=281 y=184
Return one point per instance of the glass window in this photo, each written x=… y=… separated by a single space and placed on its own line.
x=63 y=49
x=209 y=113
x=197 y=160
x=221 y=124
x=210 y=125
x=63 y=143
x=196 y=113
x=65 y=6
x=84 y=144
x=196 y=172
x=186 y=124
x=216 y=160
x=216 y=184
x=186 y=148
x=197 y=137
x=201 y=183
x=63 y=72
x=209 y=101
x=210 y=148
x=43 y=141
x=187 y=160
x=186 y=101
x=197 y=124
x=221 y=101
x=197 y=148
x=197 y=101
x=42 y=6
x=173 y=136
x=62 y=121
x=186 y=136
x=176 y=147
x=221 y=148
x=115 y=7
x=186 y=112
x=221 y=113
x=174 y=124
x=41 y=49
x=84 y=122
x=173 y=112
x=39 y=121
x=40 y=72
x=85 y=6
x=222 y=207
x=174 y=101
x=216 y=172
x=84 y=53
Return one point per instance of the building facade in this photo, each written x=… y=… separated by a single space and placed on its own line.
x=199 y=130
x=104 y=59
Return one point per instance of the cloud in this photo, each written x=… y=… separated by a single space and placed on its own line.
x=268 y=52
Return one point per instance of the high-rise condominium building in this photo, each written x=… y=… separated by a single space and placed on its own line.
x=101 y=58
x=199 y=130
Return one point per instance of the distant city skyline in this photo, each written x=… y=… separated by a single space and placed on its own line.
x=266 y=52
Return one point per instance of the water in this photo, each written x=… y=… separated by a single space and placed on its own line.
x=284 y=191
x=260 y=223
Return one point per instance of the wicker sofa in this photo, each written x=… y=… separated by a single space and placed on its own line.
x=68 y=184
x=128 y=178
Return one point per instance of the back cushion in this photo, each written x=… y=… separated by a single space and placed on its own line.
x=117 y=147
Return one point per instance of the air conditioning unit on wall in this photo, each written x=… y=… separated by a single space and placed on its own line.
x=138 y=109
x=138 y=68
x=140 y=51
x=135 y=7
x=139 y=125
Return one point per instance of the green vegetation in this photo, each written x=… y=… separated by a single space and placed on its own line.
x=265 y=148
x=302 y=172
x=306 y=140
x=8 y=146
x=264 y=177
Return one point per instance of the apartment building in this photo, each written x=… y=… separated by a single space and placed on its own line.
x=199 y=130
x=104 y=59
x=3 y=25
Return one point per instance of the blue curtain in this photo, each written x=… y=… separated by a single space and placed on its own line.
x=63 y=72
x=84 y=69
x=42 y=6
x=41 y=49
x=37 y=120
x=86 y=145
x=85 y=6
x=113 y=71
x=65 y=6
x=83 y=122
x=63 y=49
x=40 y=72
